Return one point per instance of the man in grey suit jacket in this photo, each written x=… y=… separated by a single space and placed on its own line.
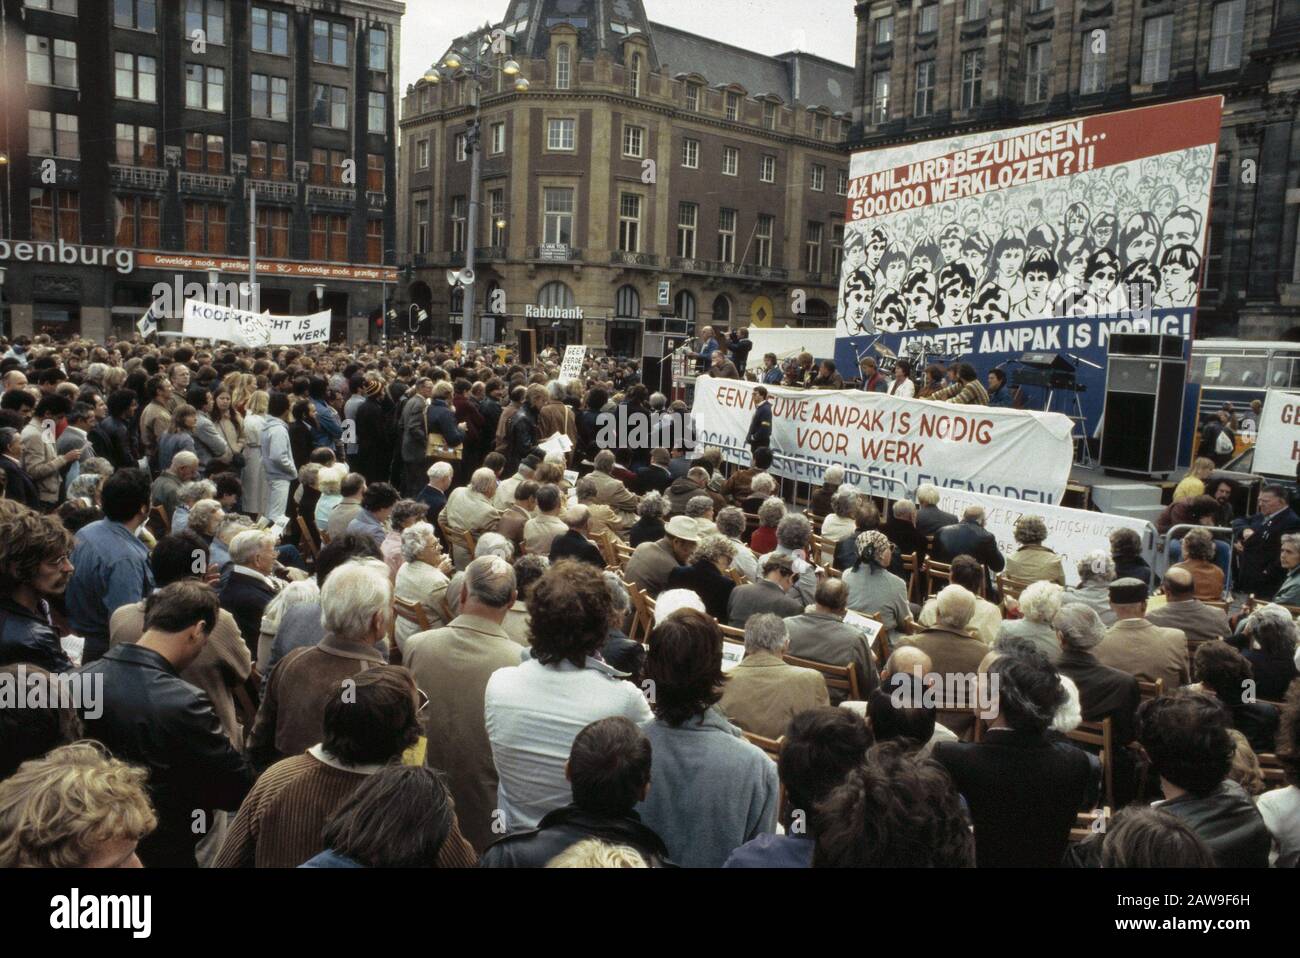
x=768 y=594
x=415 y=437
x=823 y=636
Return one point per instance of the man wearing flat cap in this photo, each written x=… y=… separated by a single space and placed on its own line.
x=652 y=562
x=1139 y=647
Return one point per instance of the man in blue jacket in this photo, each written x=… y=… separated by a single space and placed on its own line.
x=760 y=427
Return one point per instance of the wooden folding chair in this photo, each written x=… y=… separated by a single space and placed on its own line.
x=307 y=542
x=1086 y=823
x=1151 y=690
x=912 y=573
x=733 y=633
x=463 y=536
x=935 y=571
x=839 y=678
x=1274 y=775
x=642 y=617
x=412 y=612
x=770 y=746
x=622 y=553
x=1099 y=735
x=1010 y=587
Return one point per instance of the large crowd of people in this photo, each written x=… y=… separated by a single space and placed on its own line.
x=357 y=607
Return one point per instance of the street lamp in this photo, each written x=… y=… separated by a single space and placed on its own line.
x=320 y=294
x=477 y=69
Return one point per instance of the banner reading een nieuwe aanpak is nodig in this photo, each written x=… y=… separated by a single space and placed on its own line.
x=1001 y=452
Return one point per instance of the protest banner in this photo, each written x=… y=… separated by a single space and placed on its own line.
x=243 y=328
x=1277 y=447
x=571 y=365
x=1046 y=238
x=888 y=445
x=1072 y=533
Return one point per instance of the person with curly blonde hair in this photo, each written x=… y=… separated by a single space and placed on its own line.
x=1033 y=560
x=77 y=807
x=706 y=573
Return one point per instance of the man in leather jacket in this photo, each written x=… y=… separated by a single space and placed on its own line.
x=609 y=769
x=34 y=566
x=145 y=713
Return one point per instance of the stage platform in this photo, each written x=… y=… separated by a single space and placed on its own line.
x=1091 y=488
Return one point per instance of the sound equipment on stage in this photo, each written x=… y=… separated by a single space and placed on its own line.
x=1143 y=416
x=527 y=352
x=1146 y=344
x=1049 y=370
x=656 y=360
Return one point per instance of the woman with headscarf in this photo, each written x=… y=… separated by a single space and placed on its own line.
x=873 y=589
x=1096 y=573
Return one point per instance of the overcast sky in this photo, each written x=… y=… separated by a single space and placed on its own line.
x=823 y=27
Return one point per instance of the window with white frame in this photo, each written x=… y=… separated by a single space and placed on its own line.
x=52 y=134
x=880 y=96
x=693 y=97
x=498 y=138
x=557 y=224
x=135 y=77
x=885 y=28
x=733 y=106
x=329 y=106
x=817 y=178
x=726 y=236
x=205 y=87
x=51 y=62
x=270 y=31
x=1092 y=73
x=1038 y=71
x=559 y=134
x=270 y=97
x=67 y=7
x=458 y=224
x=769 y=115
x=329 y=42
x=842 y=183
x=136 y=15
x=730 y=161
x=819 y=126
x=763 y=240
x=688 y=215
x=837 y=247
x=562 y=67
x=1157 y=45
x=629 y=222
x=812 y=258
x=767 y=170
x=460 y=147
x=634 y=76
x=420 y=217
x=422 y=154
x=207 y=18
x=1226 y=32
x=976 y=9
x=691 y=153
x=377 y=50
x=972 y=79
x=378 y=112
x=496 y=217
x=924 y=104
x=633 y=141
x=927 y=20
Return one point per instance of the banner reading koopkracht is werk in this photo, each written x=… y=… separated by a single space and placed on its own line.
x=1002 y=452
x=243 y=328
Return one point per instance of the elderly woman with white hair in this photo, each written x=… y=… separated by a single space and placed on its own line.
x=1105 y=693
x=1033 y=560
x=844 y=514
x=770 y=514
x=328 y=481
x=821 y=502
x=1268 y=641
x=706 y=574
x=793 y=535
x=1096 y=573
x=421 y=579
x=1039 y=604
x=873 y=589
x=186 y=496
x=405 y=514
x=731 y=523
x=206 y=516
x=85 y=489
x=652 y=510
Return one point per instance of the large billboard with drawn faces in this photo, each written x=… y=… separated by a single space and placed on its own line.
x=1042 y=238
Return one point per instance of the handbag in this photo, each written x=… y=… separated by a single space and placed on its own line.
x=437 y=448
